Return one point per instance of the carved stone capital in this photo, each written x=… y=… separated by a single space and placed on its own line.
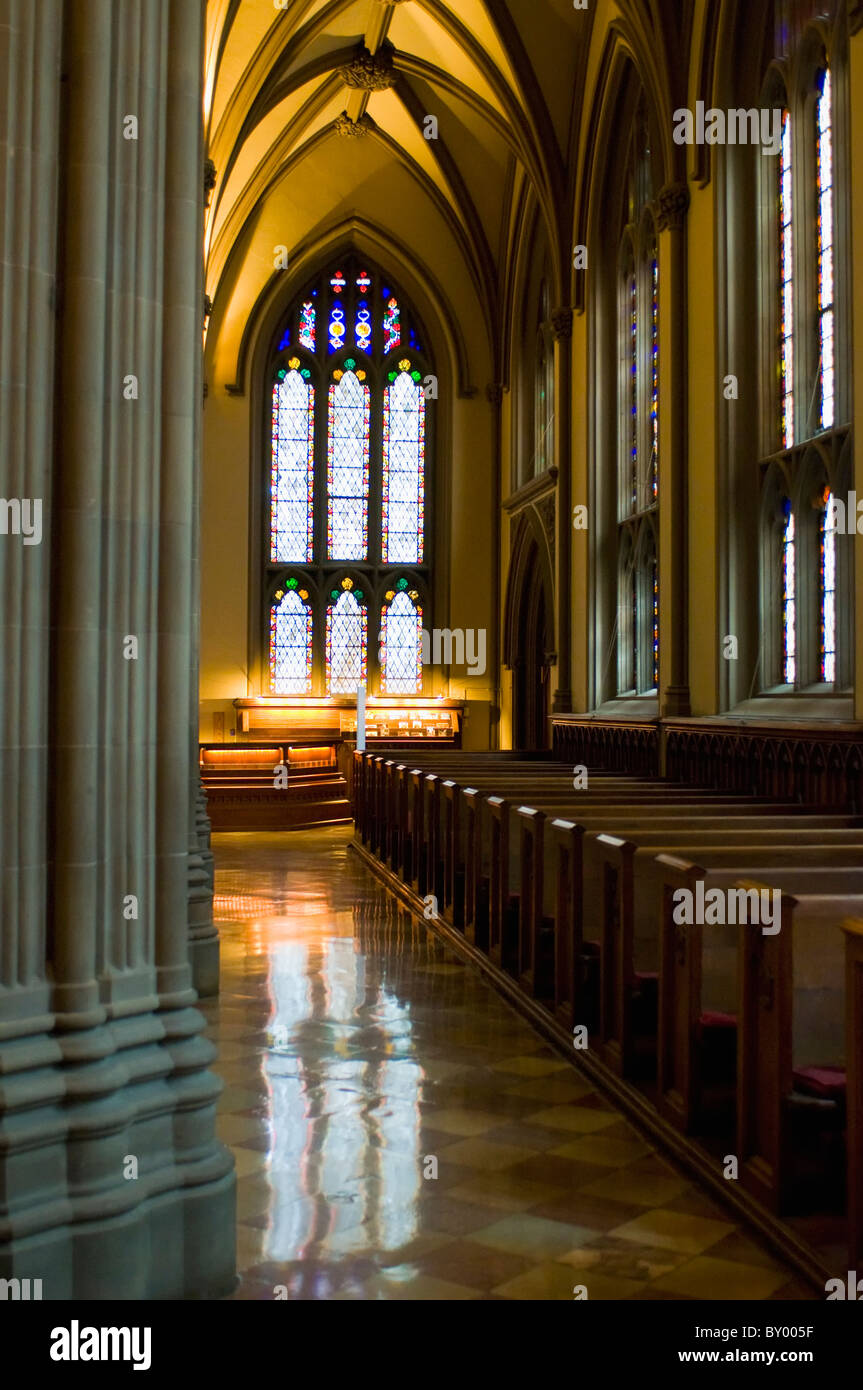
x=494 y=393
x=855 y=16
x=370 y=72
x=352 y=130
x=673 y=204
x=209 y=181
x=561 y=322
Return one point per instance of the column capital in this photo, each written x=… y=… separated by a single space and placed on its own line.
x=209 y=181
x=673 y=204
x=494 y=393
x=561 y=322
x=370 y=72
x=855 y=16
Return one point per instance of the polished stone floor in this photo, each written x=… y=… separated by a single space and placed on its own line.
x=400 y=1132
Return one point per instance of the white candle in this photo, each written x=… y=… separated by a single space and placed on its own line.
x=361 y=719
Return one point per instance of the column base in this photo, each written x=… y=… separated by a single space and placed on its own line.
x=675 y=702
x=204 y=960
x=179 y=1245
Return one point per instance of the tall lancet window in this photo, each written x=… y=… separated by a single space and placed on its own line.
x=347 y=644
x=824 y=169
x=789 y=597
x=807 y=567
x=401 y=641
x=786 y=288
x=638 y=426
x=349 y=417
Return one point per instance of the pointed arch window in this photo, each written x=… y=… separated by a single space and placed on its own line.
x=349 y=429
x=638 y=430
x=811 y=578
x=401 y=641
x=824 y=166
x=789 y=596
x=348 y=465
x=827 y=586
x=403 y=467
x=347 y=640
x=292 y=444
x=291 y=640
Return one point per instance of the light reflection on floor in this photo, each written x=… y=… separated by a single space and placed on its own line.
x=399 y=1132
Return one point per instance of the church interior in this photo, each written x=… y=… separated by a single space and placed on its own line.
x=432 y=800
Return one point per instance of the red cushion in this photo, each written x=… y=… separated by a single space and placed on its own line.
x=647 y=974
x=712 y=1018
x=827 y=1082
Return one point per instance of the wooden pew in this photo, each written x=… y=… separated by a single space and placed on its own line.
x=686 y=961
x=792 y=1041
x=852 y=929
x=618 y=873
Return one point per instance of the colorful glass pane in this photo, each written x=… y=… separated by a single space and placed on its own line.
x=338 y=282
x=337 y=327
x=403 y=472
x=364 y=281
x=284 y=341
x=292 y=469
x=653 y=479
x=307 y=326
x=654 y=578
x=789 y=599
x=392 y=327
x=401 y=647
x=348 y=469
x=633 y=393
x=291 y=645
x=827 y=568
x=346 y=645
x=825 y=251
x=363 y=326
x=786 y=288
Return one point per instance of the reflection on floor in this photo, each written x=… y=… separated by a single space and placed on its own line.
x=400 y=1132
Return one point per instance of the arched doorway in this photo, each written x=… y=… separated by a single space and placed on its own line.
x=530 y=637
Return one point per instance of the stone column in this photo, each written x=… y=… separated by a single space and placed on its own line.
x=116 y=1185
x=561 y=321
x=673 y=203
x=494 y=396
x=855 y=125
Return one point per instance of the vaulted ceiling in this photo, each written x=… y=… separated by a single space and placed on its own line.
x=316 y=115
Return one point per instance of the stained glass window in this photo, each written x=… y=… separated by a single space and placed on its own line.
x=346 y=641
x=786 y=287
x=291 y=641
x=825 y=249
x=654 y=584
x=827 y=575
x=392 y=328
x=348 y=467
x=337 y=326
x=789 y=598
x=633 y=393
x=292 y=466
x=329 y=465
x=363 y=326
x=653 y=471
x=401 y=642
x=403 y=467
x=307 y=325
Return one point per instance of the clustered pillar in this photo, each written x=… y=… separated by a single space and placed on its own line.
x=112 y=1183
